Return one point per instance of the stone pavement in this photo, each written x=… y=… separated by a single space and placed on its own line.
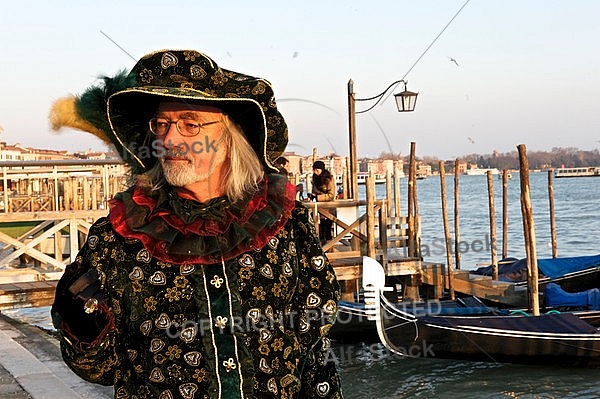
x=9 y=387
x=31 y=366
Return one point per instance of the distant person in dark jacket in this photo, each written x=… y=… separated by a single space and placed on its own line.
x=323 y=189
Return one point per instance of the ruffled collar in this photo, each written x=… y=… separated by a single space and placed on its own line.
x=179 y=230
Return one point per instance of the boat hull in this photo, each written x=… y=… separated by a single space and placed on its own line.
x=555 y=339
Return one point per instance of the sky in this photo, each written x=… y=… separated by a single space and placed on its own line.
x=526 y=72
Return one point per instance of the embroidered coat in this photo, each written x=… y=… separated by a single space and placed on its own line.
x=249 y=323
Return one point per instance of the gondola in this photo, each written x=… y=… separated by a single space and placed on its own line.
x=550 y=339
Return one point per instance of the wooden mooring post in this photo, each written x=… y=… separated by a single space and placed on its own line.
x=552 y=217
x=492 y=212
x=456 y=219
x=504 y=214
x=446 y=231
x=529 y=232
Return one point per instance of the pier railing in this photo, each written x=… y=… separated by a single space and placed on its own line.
x=47 y=207
x=53 y=186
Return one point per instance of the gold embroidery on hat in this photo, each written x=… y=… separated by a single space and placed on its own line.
x=146 y=75
x=219 y=78
x=178 y=78
x=196 y=72
x=259 y=88
x=190 y=55
x=168 y=60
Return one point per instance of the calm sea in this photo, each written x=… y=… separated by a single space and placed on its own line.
x=368 y=371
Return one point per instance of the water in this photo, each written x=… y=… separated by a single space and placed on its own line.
x=376 y=376
x=367 y=371
x=577 y=217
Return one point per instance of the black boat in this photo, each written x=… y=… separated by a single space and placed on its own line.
x=550 y=339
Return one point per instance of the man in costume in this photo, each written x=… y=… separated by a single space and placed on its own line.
x=206 y=280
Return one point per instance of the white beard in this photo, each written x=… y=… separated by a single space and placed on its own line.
x=180 y=174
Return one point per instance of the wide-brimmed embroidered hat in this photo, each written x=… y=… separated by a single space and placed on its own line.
x=118 y=110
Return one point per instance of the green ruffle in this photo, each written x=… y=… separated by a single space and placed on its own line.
x=179 y=230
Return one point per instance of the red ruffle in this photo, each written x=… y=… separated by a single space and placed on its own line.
x=203 y=227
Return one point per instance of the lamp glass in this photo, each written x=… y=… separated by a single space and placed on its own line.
x=406 y=101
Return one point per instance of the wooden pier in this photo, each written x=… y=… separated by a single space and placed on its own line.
x=47 y=208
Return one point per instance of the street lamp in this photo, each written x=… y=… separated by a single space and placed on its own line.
x=405 y=101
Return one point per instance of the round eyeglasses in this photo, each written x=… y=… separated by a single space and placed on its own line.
x=185 y=127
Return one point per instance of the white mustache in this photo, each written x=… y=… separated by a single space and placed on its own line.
x=177 y=154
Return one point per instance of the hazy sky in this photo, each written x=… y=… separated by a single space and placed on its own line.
x=528 y=70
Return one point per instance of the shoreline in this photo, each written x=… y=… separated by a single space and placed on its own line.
x=31 y=365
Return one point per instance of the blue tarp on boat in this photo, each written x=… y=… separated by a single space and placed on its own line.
x=553 y=267
x=556 y=297
x=560 y=266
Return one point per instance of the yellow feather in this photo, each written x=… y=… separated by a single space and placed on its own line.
x=64 y=114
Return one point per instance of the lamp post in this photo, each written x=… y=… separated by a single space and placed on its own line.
x=405 y=101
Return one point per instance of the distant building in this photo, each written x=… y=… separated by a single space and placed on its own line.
x=17 y=152
x=91 y=155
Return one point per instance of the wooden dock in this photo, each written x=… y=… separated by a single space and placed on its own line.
x=29 y=294
x=54 y=205
x=46 y=210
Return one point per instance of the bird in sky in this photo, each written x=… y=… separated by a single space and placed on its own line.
x=453 y=60
x=295 y=54
x=471 y=140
